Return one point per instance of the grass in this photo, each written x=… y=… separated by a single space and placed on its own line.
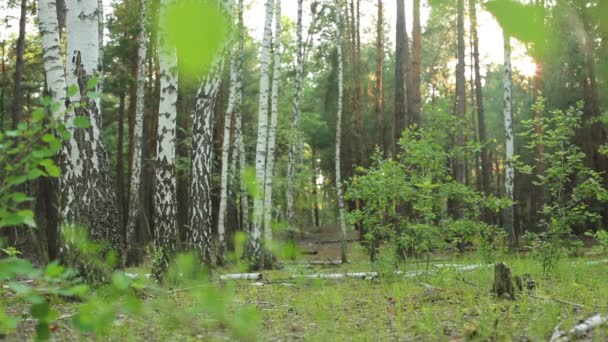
x=445 y=305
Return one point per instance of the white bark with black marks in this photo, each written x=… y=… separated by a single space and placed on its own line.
x=262 y=141
x=339 y=193
x=135 y=203
x=272 y=129
x=165 y=189
x=509 y=138
x=200 y=222
x=295 y=117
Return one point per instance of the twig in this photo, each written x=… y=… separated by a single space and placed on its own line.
x=567 y=302
x=467 y=282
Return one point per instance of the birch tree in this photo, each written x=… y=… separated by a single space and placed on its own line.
x=238 y=153
x=255 y=242
x=199 y=231
x=272 y=129
x=339 y=193
x=94 y=201
x=135 y=202
x=224 y=175
x=295 y=116
x=509 y=141
x=165 y=189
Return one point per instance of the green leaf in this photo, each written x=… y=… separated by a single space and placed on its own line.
x=38 y=115
x=82 y=122
x=54 y=270
x=20 y=197
x=42 y=331
x=187 y=21
x=92 y=82
x=120 y=281
x=40 y=310
x=73 y=90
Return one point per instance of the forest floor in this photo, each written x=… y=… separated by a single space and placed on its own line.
x=450 y=300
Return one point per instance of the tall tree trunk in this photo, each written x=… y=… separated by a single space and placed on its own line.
x=19 y=64
x=57 y=89
x=509 y=213
x=88 y=193
x=485 y=162
x=224 y=175
x=4 y=82
x=461 y=100
x=201 y=214
x=120 y=166
x=272 y=129
x=400 y=122
x=295 y=118
x=135 y=200
x=339 y=193
x=416 y=65
x=165 y=188
x=238 y=153
x=256 y=259
x=379 y=103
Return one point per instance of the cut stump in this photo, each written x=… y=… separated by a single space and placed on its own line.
x=503 y=284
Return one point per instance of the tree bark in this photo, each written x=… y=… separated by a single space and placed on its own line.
x=256 y=260
x=295 y=118
x=379 y=103
x=339 y=193
x=416 y=65
x=485 y=162
x=399 y=120
x=19 y=64
x=509 y=213
x=135 y=200
x=459 y=173
x=272 y=129
x=165 y=188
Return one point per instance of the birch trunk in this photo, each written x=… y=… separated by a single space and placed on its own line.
x=262 y=143
x=272 y=129
x=339 y=193
x=224 y=181
x=200 y=228
x=238 y=153
x=509 y=141
x=135 y=203
x=83 y=47
x=165 y=189
x=51 y=49
x=295 y=117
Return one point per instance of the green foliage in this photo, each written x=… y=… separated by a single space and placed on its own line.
x=404 y=198
x=26 y=154
x=186 y=22
x=525 y=22
x=602 y=238
x=570 y=184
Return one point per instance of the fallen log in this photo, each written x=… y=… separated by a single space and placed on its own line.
x=357 y=275
x=579 y=330
x=241 y=276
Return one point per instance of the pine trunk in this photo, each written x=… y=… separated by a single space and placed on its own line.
x=400 y=112
x=416 y=65
x=459 y=174
x=379 y=103
x=19 y=65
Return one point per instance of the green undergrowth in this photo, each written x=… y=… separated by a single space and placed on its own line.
x=446 y=303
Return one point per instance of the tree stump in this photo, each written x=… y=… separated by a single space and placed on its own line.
x=503 y=284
